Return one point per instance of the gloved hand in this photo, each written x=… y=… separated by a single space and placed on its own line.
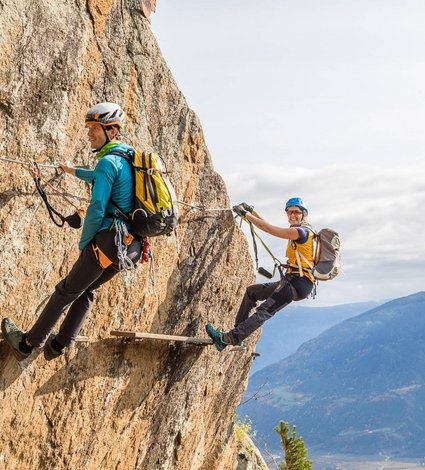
x=239 y=210
x=247 y=207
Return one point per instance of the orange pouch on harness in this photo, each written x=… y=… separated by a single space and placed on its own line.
x=102 y=259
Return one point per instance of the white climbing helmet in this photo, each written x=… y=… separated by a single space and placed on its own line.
x=106 y=114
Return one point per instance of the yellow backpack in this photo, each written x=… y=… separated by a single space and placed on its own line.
x=155 y=208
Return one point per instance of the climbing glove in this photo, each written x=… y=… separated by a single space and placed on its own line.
x=242 y=209
x=247 y=207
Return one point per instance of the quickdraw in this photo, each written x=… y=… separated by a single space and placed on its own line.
x=122 y=240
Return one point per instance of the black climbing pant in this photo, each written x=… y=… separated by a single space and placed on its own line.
x=276 y=296
x=77 y=291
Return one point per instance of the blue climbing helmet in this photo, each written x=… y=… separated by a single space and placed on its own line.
x=296 y=201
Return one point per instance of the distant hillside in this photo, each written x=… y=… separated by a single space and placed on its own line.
x=358 y=388
x=293 y=326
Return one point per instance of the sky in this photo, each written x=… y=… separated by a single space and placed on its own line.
x=323 y=100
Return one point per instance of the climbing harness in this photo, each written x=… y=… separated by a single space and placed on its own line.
x=103 y=260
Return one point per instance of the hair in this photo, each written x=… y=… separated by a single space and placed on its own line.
x=114 y=126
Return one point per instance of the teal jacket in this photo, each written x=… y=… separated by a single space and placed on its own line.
x=112 y=179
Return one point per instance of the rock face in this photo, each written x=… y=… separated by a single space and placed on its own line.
x=249 y=457
x=109 y=404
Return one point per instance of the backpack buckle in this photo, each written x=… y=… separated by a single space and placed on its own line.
x=166 y=213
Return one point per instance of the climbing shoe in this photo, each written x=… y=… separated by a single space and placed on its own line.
x=218 y=337
x=15 y=338
x=52 y=349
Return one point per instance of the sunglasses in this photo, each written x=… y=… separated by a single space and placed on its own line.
x=295 y=212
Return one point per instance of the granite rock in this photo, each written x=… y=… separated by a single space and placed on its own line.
x=108 y=404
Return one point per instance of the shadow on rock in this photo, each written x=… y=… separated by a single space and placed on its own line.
x=181 y=360
x=5 y=197
x=10 y=368
x=135 y=367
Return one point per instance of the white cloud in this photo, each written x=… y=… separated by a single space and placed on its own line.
x=316 y=82
x=379 y=213
x=320 y=99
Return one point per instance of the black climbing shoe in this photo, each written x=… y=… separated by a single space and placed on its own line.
x=52 y=351
x=14 y=336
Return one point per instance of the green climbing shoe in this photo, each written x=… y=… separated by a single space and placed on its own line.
x=13 y=336
x=217 y=337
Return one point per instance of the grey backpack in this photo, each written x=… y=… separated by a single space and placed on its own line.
x=327 y=257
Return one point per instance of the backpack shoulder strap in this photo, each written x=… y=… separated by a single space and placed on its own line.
x=299 y=255
x=310 y=227
x=128 y=156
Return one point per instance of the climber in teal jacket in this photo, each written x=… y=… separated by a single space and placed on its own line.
x=112 y=180
x=106 y=244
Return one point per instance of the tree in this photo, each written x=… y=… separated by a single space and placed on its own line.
x=294 y=448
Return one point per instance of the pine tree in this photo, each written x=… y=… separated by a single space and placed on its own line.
x=294 y=448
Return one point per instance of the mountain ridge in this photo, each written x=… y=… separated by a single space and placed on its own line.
x=296 y=324
x=356 y=388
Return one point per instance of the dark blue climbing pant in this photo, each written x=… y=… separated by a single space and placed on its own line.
x=77 y=291
x=276 y=296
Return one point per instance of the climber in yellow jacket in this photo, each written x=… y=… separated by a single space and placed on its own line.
x=296 y=284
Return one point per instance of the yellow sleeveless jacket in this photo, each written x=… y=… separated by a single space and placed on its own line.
x=305 y=258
